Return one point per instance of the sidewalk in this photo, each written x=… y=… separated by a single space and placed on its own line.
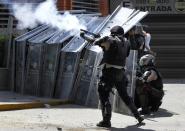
x=14 y=101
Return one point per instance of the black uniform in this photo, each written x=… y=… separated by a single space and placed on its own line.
x=149 y=95
x=111 y=76
x=116 y=48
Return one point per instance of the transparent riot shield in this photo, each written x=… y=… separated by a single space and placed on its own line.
x=69 y=60
x=50 y=63
x=69 y=63
x=20 y=55
x=51 y=59
x=88 y=76
x=35 y=60
x=131 y=65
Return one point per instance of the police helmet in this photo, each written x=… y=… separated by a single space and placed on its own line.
x=117 y=30
x=147 y=60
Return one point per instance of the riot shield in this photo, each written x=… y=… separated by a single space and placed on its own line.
x=35 y=60
x=88 y=76
x=20 y=54
x=131 y=65
x=50 y=63
x=69 y=62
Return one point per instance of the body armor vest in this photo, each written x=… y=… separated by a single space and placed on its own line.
x=117 y=52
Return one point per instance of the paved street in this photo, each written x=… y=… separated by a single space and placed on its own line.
x=171 y=116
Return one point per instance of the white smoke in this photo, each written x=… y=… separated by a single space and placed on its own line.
x=30 y=15
x=25 y=16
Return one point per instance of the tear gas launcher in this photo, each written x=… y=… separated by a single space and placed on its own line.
x=89 y=36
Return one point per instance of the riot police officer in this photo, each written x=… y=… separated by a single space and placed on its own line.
x=149 y=89
x=116 y=48
x=137 y=39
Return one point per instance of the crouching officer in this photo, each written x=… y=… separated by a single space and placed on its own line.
x=149 y=87
x=116 y=48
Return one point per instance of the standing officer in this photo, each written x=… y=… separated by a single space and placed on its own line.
x=116 y=48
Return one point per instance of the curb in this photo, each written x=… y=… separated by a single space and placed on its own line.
x=34 y=104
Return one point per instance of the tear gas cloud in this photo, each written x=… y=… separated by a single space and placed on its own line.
x=30 y=15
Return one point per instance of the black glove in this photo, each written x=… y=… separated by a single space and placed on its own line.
x=82 y=33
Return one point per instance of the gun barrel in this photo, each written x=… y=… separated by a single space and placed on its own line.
x=91 y=33
x=84 y=30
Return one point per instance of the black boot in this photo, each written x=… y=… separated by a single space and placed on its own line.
x=140 y=119
x=104 y=123
x=106 y=113
x=135 y=112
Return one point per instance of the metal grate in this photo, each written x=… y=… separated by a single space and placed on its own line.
x=168 y=42
x=89 y=5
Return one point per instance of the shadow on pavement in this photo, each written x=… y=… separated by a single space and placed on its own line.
x=161 y=113
x=130 y=128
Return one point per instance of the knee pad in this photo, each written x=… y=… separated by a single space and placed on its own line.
x=104 y=87
x=101 y=87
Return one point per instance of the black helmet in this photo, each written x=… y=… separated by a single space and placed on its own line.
x=117 y=30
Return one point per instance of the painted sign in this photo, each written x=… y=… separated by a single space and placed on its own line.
x=158 y=6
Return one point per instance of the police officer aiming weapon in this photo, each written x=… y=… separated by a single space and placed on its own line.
x=89 y=36
x=116 y=48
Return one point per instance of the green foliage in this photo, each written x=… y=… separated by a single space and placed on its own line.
x=3 y=38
